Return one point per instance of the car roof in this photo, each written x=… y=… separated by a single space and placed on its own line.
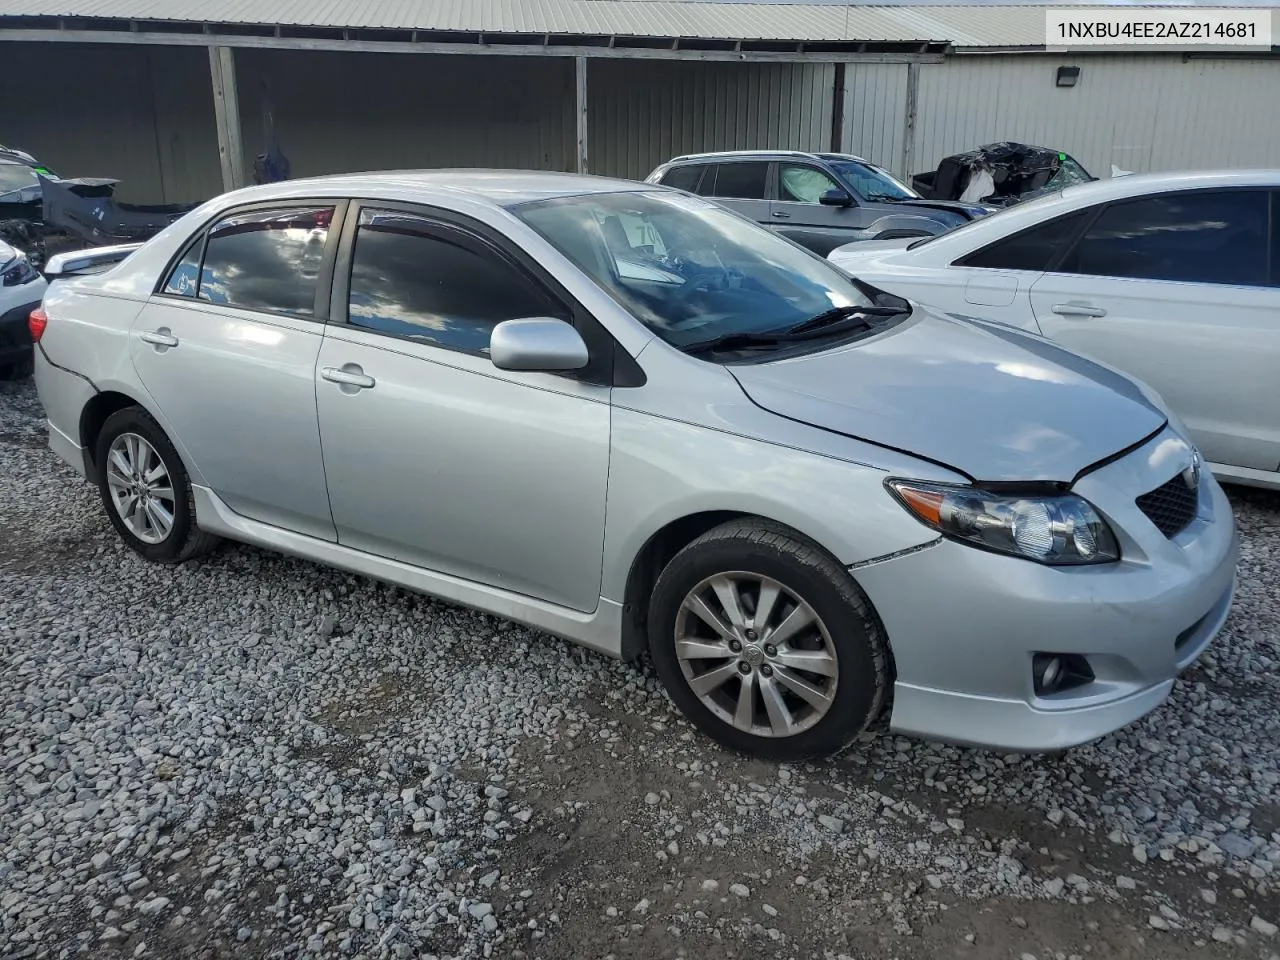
x=762 y=155
x=501 y=188
x=1137 y=184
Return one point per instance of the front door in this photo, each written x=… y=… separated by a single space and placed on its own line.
x=1175 y=290
x=434 y=456
x=228 y=352
x=798 y=214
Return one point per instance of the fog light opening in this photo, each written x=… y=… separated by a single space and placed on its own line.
x=1055 y=672
x=1048 y=673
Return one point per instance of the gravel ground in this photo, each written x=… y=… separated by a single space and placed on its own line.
x=254 y=756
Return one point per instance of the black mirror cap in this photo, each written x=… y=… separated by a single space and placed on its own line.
x=836 y=198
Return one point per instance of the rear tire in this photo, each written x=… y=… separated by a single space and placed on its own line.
x=146 y=491
x=821 y=682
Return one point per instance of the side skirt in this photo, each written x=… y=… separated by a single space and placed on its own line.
x=601 y=630
x=1246 y=476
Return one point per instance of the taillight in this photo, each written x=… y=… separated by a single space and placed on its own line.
x=36 y=324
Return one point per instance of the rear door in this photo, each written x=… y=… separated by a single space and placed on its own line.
x=741 y=185
x=227 y=349
x=798 y=214
x=995 y=281
x=1180 y=290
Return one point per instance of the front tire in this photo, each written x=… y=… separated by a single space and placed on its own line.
x=766 y=643
x=145 y=489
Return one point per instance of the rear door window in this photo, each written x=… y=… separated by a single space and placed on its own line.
x=684 y=178
x=266 y=260
x=742 y=180
x=185 y=277
x=1036 y=249
x=1205 y=236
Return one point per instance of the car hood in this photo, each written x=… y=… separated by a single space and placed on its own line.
x=970 y=211
x=987 y=400
x=864 y=249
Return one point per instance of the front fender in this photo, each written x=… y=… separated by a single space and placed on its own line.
x=662 y=470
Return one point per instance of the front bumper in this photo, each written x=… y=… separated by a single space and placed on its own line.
x=15 y=336
x=965 y=624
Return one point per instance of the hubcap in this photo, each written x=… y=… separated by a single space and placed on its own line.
x=756 y=654
x=141 y=488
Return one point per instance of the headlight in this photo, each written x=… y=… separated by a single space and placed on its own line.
x=17 y=271
x=1059 y=530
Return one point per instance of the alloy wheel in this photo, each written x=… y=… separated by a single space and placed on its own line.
x=141 y=488
x=756 y=654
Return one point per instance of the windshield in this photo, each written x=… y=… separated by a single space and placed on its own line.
x=1069 y=172
x=871 y=182
x=14 y=177
x=690 y=270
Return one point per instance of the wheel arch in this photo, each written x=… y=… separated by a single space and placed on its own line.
x=668 y=540
x=108 y=400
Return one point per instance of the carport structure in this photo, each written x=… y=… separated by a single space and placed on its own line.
x=169 y=95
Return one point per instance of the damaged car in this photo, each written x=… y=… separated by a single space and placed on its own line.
x=40 y=210
x=1001 y=174
x=648 y=425
x=21 y=210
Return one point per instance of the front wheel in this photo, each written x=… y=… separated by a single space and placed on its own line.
x=767 y=644
x=145 y=489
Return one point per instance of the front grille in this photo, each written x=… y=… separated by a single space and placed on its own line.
x=1170 y=506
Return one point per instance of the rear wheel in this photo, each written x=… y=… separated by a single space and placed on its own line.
x=767 y=644
x=145 y=489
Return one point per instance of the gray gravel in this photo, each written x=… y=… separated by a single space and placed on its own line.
x=253 y=753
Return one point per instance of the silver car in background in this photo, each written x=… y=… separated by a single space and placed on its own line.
x=629 y=417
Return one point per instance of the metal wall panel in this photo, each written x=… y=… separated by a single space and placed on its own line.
x=346 y=112
x=141 y=114
x=1140 y=112
x=874 y=110
x=645 y=112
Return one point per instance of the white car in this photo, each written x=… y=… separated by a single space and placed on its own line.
x=21 y=289
x=1172 y=278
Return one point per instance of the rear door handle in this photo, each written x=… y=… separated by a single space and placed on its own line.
x=781 y=215
x=350 y=375
x=159 y=338
x=1078 y=310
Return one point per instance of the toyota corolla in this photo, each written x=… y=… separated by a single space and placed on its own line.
x=628 y=417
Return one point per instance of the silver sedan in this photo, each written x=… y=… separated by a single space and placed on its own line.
x=629 y=417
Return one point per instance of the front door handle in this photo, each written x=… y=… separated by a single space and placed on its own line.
x=349 y=375
x=781 y=215
x=159 y=338
x=1078 y=310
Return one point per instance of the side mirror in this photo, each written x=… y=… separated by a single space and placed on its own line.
x=836 y=198
x=85 y=262
x=537 y=344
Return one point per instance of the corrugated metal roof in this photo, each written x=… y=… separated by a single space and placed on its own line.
x=963 y=26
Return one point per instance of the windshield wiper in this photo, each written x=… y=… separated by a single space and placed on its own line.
x=824 y=324
x=734 y=341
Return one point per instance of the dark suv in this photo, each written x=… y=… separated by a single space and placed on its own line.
x=819 y=200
